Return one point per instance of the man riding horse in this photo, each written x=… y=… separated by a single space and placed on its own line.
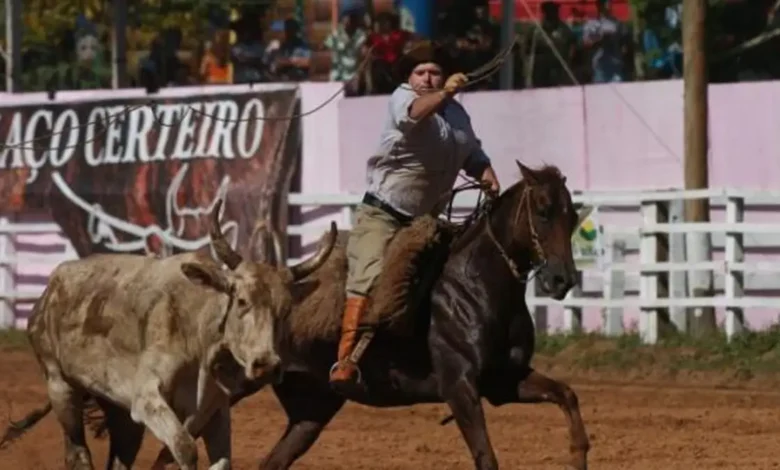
x=427 y=139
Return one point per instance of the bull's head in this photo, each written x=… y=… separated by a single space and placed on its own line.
x=259 y=297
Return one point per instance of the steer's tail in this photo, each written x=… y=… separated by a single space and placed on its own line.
x=17 y=428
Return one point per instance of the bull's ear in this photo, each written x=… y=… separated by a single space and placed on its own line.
x=206 y=275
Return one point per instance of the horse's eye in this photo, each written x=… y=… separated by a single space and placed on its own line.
x=544 y=212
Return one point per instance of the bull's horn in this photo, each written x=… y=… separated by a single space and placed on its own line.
x=277 y=241
x=306 y=267
x=225 y=253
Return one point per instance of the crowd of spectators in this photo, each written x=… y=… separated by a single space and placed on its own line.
x=578 y=49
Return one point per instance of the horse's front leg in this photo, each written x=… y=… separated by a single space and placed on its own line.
x=525 y=385
x=536 y=388
x=464 y=402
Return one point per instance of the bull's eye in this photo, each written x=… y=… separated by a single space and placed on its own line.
x=242 y=303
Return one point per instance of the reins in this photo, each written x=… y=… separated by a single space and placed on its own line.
x=525 y=200
x=482 y=212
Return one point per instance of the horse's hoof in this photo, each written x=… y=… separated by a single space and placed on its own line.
x=578 y=462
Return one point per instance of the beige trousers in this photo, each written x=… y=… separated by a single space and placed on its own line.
x=366 y=245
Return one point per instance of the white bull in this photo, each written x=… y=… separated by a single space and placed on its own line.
x=165 y=339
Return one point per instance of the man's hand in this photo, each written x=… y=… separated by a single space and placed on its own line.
x=490 y=182
x=454 y=83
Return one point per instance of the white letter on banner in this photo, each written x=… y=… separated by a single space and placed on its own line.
x=254 y=121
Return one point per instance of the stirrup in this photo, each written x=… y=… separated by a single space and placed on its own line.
x=336 y=364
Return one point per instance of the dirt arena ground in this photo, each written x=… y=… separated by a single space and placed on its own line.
x=648 y=426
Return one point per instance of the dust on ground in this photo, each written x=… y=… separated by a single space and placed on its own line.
x=643 y=419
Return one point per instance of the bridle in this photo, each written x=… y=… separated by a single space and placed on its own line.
x=482 y=213
x=541 y=258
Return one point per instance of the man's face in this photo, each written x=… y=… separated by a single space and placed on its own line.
x=426 y=77
x=86 y=49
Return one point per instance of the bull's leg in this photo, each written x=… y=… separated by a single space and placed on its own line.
x=464 y=401
x=247 y=389
x=216 y=436
x=151 y=409
x=125 y=436
x=310 y=405
x=67 y=405
x=529 y=386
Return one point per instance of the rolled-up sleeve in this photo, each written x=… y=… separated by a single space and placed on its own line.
x=400 y=105
x=476 y=162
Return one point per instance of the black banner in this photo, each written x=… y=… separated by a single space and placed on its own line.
x=142 y=176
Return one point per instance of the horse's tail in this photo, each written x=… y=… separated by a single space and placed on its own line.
x=17 y=428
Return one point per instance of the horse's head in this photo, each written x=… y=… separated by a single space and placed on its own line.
x=542 y=225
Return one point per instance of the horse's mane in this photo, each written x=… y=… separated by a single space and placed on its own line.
x=547 y=174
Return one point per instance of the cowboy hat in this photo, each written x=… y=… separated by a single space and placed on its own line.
x=419 y=52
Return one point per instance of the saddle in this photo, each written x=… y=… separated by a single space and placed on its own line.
x=414 y=259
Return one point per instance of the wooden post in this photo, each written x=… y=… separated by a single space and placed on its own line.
x=13 y=44
x=696 y=168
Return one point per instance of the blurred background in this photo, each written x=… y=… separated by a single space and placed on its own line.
x=67 y=44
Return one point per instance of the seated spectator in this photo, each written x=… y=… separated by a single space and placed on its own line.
x=346 y=51
x=290 y=59
x=479 y=45
x=215 y=68
x=579 y=60
x=388 y=44
x=162 y=67
x=605 y=37
x=547 y=68
x=663 y=55
x=248 y=53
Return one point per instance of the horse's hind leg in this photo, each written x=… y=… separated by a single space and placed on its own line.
x=309 y=406
x=538 y=388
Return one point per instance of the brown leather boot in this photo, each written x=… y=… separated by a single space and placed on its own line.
x=345 y=371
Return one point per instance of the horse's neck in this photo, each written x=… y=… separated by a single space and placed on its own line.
x=483 y=254
x=502 y=222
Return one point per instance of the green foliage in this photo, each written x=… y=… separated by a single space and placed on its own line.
x=748 y=355
x=14 y=339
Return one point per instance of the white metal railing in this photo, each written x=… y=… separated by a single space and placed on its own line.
x=649 y=203
x=615 y=278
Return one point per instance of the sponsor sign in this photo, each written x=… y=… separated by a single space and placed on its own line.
x=586 y=242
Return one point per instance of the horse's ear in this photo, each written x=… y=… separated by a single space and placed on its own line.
x=528 y=174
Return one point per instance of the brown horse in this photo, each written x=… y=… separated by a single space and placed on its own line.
x=472 y=334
